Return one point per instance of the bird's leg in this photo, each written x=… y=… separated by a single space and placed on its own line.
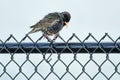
x=55 y=36
x=46 y=36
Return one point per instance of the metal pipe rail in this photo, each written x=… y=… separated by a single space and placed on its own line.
x=60 y=48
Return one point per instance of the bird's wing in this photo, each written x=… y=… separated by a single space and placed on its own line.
x=49 y=20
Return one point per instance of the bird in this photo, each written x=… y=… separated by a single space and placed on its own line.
x=52 y=24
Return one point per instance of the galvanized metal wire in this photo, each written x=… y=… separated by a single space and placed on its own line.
x=81 y=60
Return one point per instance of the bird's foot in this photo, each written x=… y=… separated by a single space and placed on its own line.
x=55 y=36
x=46 y=36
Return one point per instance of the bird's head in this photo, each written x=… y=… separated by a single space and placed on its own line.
x=66 y=17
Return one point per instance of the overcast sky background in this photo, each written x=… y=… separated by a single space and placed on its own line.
x=88 y=16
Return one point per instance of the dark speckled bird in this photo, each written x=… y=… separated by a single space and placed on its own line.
x=52 y=23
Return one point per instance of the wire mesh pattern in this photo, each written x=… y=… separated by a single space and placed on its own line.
x=66 y=60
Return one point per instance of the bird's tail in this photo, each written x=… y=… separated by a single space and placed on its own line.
x=29 y=33
x=32 y=31
x=32 y=26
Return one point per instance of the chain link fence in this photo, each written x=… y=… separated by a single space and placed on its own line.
x=66 y=60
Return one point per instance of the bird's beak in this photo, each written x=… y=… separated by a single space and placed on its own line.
x=66 y=24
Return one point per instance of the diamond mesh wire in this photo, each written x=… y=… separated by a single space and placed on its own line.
x=66 y=60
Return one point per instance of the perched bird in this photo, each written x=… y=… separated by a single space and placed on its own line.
x=51 y=24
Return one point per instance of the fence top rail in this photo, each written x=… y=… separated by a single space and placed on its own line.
x=89 y=47
x=97 y=46
x=61 y=44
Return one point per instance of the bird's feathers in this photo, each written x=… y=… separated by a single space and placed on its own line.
x=51 y=23
x=49 y=20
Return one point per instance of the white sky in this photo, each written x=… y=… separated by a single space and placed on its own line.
x=88 y=16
